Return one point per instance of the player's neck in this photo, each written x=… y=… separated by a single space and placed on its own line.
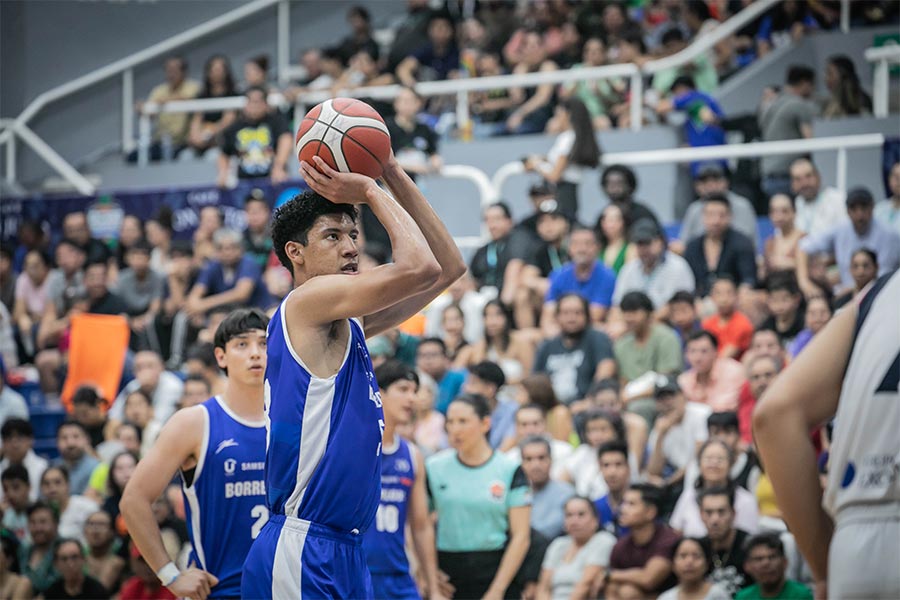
x=246 y=401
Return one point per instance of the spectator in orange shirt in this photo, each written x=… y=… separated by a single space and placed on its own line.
x=712 y=380
x=731 y=327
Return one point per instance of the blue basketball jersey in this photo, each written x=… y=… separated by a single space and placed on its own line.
x=226 y=501
x=383 y=543
x=323 y=460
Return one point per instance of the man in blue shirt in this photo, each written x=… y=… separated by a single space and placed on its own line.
x=585 y=275
x=233 y=279
x=437 y=60
x=613 y=458
x=701 y=128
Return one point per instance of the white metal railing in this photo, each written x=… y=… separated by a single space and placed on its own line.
x=755 y=149
x=125 y=67
x=883 y=57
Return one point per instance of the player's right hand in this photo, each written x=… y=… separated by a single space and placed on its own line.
x=194 y=584
x=346 y=188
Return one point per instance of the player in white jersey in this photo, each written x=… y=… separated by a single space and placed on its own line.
x=850 y=371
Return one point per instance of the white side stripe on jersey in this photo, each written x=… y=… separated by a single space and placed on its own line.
x=191 y=494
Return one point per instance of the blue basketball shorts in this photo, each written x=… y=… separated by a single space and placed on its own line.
x=293 y=558
x=394 y=586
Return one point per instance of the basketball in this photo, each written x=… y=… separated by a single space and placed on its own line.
x=348 y=134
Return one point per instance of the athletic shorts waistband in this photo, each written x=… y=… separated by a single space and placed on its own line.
x=888 y=511
x=317 y=530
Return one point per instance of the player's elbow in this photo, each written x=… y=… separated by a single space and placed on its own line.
x=454 y=271
x=426 y=273
x=767 y=413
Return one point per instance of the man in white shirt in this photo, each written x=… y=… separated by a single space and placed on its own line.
x=18 y=443
x=531 y=421
x=818 y=209
x=679 y=428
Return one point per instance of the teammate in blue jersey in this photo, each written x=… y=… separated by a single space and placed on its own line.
x=219 y=447
x=323 y=462
x=403 y=496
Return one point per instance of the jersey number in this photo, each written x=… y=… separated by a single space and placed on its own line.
x=261 y=514
x=387 y=518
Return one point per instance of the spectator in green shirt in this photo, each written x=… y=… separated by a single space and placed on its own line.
x=646 y=346
x=767 y=564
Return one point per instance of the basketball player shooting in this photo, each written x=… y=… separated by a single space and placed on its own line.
x=323 y=464
x=850 y=371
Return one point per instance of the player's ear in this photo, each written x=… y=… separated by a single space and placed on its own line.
x=294 y=251
x=220 y=357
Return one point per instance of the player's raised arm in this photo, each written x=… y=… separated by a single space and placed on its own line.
x=327 y=259
x=178 y=445
x=439 y=240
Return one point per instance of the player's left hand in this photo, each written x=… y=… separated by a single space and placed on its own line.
x=346 y=188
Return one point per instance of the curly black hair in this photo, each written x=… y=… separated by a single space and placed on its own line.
x=294 y=219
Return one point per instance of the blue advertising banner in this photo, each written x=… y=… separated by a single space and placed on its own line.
x=106 y=211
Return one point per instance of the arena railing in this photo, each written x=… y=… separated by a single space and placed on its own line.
x=125 y=67
x=883 y=57
x=841 y=144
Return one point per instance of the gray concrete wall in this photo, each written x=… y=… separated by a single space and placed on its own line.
x=864 y=165
x=44 y=43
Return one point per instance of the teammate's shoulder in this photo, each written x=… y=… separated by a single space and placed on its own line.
x=186 y=418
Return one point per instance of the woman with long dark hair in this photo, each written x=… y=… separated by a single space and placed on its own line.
x=847 y=95
x=538 y=389
x=483 y=506
x=574 y=152
x=615 y=249
x=510 y=349
x=218 y=82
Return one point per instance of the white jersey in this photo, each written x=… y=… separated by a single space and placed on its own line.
x=865 y=450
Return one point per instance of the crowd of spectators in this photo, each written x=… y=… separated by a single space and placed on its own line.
x=618 y=367
x=460 y=40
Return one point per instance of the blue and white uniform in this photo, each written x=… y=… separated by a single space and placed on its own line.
x=863 y=491
x=384 y=543
x=323 y=474
x=225 y=495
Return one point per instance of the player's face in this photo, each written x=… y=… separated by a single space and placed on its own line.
x=465 y=429
x=615 y=471
x=245 y=357
x=332 y=246
x=579 y=520
x=399 y=400
x=717 y=515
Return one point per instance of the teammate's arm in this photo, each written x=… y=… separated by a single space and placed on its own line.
x=328 y=298
x=423 y=530
x=439 y=240
x=804 y=396
x=178 y=442
x=516 y=549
